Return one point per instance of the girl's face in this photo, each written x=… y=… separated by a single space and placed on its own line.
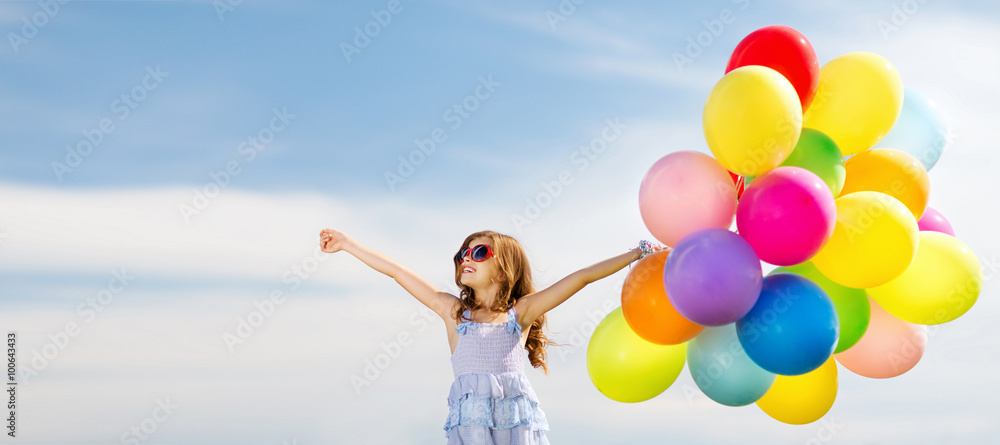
x=477 y=274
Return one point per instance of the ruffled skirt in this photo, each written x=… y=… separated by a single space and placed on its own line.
x=494 y=409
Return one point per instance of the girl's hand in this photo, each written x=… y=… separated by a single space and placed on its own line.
x=659 y=247
x=331 y=241
x=655 y=248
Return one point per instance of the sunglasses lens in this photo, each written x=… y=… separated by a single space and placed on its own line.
x=479 y=253
x=461 y=254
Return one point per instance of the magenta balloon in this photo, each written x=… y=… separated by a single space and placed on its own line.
x=713 y=277
x=934 y=221
x=683 y=192
x=786 y=214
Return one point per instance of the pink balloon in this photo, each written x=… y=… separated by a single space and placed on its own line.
x=683 y=192
x=889 y=348
x=934 y=221
x=786 y=214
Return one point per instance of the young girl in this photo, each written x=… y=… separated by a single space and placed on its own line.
x=497 y=314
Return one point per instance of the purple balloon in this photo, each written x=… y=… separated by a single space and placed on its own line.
x=713 y=277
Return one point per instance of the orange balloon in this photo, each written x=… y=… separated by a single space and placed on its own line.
x=893 y=172
x=889 y=348
x=646 y=307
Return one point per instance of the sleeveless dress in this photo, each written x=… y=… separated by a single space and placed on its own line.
x=491 y=400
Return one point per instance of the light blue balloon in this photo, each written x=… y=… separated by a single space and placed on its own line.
x=920 y=130
x=723 y=370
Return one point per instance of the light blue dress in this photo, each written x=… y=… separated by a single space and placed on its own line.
x=491 y=400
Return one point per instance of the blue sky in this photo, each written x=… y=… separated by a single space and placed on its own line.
x=334 y=126
x=352 y=118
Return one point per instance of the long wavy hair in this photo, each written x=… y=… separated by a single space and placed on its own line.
x=513 y=265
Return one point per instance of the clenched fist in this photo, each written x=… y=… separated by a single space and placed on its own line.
x=331 y=241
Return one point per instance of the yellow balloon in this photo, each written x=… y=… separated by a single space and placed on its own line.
x=802 y=399
x=752 y=120
x=874 y=240
x=890 y=171
x=626 y=368
x=942 y=283
x=857 y=102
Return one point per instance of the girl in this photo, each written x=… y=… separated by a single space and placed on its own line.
x=497 y=314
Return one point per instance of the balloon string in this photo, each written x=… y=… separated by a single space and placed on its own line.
x=739 y=185
x=645 y=249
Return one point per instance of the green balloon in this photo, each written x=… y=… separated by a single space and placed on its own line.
x=627 y=368
x=817 y=153
x=853 y=309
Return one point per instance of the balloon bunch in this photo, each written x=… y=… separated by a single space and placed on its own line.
x=825 y=173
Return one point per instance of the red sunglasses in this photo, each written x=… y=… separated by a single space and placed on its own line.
x=479 y=253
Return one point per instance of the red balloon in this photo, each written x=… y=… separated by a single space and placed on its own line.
x=784 y=50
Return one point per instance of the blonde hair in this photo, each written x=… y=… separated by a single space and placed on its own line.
x=513 y=265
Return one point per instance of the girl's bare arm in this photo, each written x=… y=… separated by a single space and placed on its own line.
x=425 y=292
x=546 y=299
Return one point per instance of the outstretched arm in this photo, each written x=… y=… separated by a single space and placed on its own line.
x=544 y=300
x=439 y=302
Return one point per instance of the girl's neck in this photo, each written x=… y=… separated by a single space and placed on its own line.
x=487 y=296
x=488 y=305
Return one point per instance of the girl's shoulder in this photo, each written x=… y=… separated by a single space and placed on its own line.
x=448 y=314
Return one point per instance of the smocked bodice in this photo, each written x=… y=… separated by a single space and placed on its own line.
x=488 y=348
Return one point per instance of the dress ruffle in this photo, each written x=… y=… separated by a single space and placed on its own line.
x=481 y=435
x=513 y=327
x=496 y=401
